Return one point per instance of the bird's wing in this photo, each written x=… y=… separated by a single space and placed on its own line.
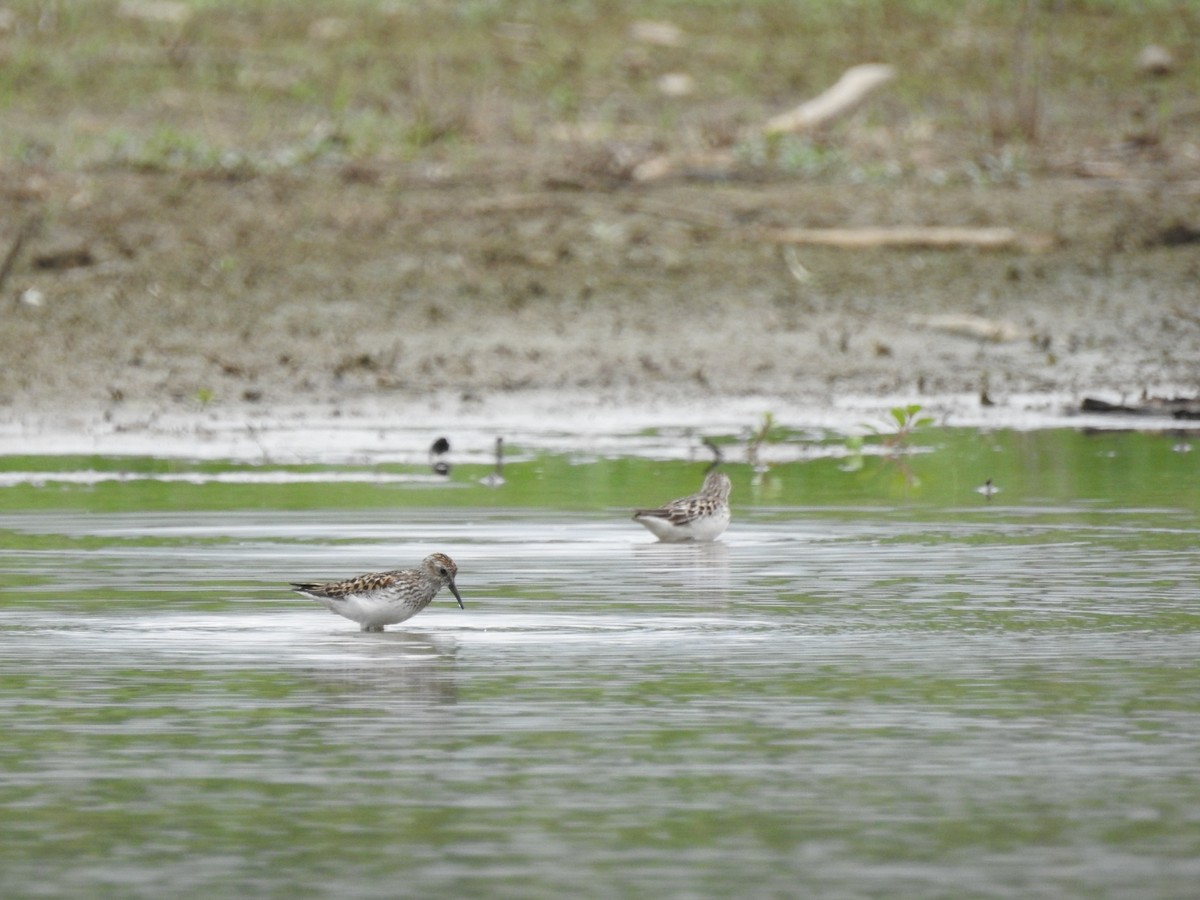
x=337 y=590
x=677 y=512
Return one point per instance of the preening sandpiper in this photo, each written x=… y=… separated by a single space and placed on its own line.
x=385 y=598
x=700 y=517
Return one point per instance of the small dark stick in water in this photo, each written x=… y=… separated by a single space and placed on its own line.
x=496 y=478
x=988 y=490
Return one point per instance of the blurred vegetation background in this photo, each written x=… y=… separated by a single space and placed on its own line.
x=986 y=89
x=208 y=200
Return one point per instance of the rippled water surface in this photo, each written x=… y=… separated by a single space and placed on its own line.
x=879 y=683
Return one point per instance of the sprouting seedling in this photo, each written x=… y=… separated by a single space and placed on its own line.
x=908 y=419
x=718 y=456
x=894 y=436
x=854 y=454
x=763 y=434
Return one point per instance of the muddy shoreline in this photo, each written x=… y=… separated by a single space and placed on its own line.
x=159 y=296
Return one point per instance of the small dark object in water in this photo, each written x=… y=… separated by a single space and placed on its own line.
x=437 y=450
x=496 y=478
x=988 y=490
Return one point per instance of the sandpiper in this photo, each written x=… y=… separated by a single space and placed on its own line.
x=700 y=517
x=385 y=598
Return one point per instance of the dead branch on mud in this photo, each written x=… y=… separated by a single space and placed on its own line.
x=845 y=96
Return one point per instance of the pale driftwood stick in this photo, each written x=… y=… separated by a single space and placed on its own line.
x=933 y=237
x=844 y=97
x=969 y=326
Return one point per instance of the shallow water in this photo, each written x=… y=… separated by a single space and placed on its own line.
x=879 y=683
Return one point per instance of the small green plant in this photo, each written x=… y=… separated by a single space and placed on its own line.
x=767 y=432
x=895 y=437
x=854 y=454
x=908 y=419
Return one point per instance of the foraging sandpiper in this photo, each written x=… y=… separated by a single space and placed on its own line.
x=385 y=598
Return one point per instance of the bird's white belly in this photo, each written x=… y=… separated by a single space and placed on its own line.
x=370 y=610
x=706 y=528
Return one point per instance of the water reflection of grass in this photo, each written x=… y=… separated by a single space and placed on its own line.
x=937 y=467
